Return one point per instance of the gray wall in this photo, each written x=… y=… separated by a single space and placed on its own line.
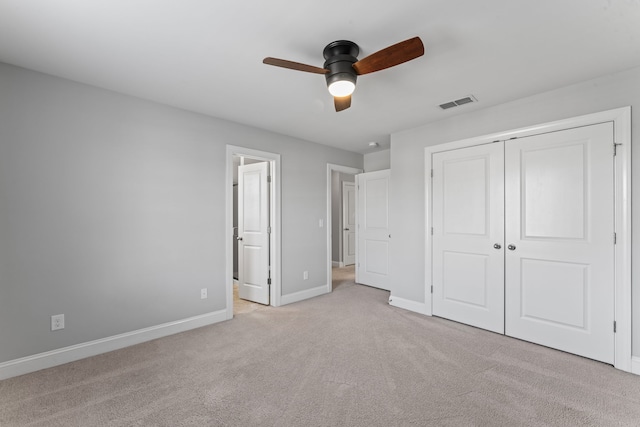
x=337 y=178
x=407 y=163
x=377 y=161
x=111 y=213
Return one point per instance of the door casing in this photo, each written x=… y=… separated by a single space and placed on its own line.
x=621 y=119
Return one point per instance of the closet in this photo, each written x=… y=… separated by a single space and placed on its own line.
x=523 y=238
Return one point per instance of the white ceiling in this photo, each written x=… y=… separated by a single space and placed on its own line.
x=206 y=55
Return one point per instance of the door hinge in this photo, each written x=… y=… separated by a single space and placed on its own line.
x=431 y=173
x=614 y=326
x=615 y=238
x=268 y=178
x=431 y=288
x=269 y=230
x=615 y=149
x=269 y=281
x=432 y=231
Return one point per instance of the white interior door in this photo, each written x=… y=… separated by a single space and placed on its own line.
x=348 y=223
x=560 y=237
x=468 y=234
x=235 y=232
x=372 y=232
x=253 y=236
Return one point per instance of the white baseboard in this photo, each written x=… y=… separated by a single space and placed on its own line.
x=28 y=364
x=303 y=295
x=635 y=365
x=418 y=307
x=337 y=264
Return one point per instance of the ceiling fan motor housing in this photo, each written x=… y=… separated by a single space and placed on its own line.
x=340 y=57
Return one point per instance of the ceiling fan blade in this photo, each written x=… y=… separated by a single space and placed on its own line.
x=342 y=102
x=294 y=65
x=390 y=56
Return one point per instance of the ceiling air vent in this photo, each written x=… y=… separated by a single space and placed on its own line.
x=458 y=102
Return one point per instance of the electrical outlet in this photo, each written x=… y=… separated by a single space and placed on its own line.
x=203 y=293
x=57 y=322
x=305 y=275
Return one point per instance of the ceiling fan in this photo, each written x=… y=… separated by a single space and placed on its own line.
x=342 y=67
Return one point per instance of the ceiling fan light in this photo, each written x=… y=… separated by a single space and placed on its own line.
x=342 y=88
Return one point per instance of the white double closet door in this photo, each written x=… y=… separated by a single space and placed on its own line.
x=523 y=238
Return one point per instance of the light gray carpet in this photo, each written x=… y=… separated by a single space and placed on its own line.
x=343 y=359
x=242 y=306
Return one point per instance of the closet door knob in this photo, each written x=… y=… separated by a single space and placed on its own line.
x=497 y=246
x=511 y=247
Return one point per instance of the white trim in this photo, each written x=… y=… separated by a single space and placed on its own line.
x=635 y=365
x=418 y=307
x=428 y=278
x=621 y=118
x=303 y=295
x=338 y=168
x=276 y=232
x=622 y=283
x=622 y=114
x=337 y=264
x=49 y=359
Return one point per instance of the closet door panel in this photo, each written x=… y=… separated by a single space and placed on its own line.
x=468 y=273
x=559 y=231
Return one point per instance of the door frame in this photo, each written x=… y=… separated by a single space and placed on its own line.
x=273 y=159
x=621 y=118
x=337 y=168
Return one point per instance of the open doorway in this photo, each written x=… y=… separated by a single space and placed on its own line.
x=341 y=225
x=251 y=233
x=252 y=229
